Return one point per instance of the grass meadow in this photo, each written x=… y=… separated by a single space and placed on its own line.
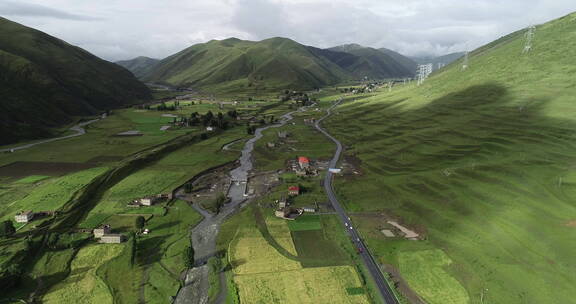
x=480 y=161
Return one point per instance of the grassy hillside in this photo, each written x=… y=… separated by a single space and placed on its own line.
x=479 y=162
x=407 y=62
x=41 y=75
x=139 y=66
x=373 y=63
x=234 y=64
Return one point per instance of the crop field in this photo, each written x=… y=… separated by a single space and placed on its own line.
x=163 y=176
x=481 y=161
x=49 y=195
x=314 y=250
x=424 y=271
x=306 y=222
x=252 y=254
x=23 y=169
x=83 y=285
x=310 y=285
x=264 y=275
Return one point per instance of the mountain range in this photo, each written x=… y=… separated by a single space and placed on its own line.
x=275 y=63
x=438 y=61
x=45 y=83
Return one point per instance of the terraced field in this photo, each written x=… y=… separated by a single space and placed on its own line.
x=480 y=161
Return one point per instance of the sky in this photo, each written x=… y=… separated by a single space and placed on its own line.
x=124 y=29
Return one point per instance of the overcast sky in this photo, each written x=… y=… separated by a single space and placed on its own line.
x=123 y=29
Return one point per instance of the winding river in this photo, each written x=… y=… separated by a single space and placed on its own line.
x=196 y=285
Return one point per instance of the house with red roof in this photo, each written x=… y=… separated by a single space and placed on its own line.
x=304 y=162
x=293 y=190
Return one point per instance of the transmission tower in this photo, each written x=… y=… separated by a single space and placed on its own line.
x=529 y=38
x=424 y=70
x=465 y=63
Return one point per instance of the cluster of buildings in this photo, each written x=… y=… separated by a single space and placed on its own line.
x=285 y=211
x=304 y=168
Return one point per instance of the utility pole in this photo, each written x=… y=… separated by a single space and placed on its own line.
x=529 y=38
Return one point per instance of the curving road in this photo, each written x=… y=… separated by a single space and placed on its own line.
x=79 y=129
x=369 y=261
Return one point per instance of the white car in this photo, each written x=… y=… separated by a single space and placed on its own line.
x=346 y=224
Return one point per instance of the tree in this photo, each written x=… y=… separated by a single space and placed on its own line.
x=7 y=228
x=188 y=256
x=188 y=188
x=139 y=222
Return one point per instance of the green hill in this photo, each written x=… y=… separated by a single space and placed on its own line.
x=139 y=66
x=234 y=64
x=45 y=81
x=373 y=63
x=480 y=162
x=407 y=62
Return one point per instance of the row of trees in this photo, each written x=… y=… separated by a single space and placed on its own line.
x=208 y=119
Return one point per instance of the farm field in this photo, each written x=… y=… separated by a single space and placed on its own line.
x=83 y=285
x=262 y=274
x=163 y=176
x=480 y=163
x=46 y=194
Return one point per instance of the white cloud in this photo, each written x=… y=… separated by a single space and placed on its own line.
x=121 y=29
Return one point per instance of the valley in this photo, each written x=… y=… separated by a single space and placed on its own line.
x=270 y=171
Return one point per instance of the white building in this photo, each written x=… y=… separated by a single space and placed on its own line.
x=148 y=201
x=24 y=216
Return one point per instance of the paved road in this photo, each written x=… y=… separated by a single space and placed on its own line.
x=79 y=129
x=369 y=261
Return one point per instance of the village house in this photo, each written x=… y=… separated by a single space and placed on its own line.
x=282 y=203
x=304 y=162
x=293 y=190
x=282 y=212
x=112 y=238
x=283 y=134
x=24 y=216
x=209 y=129
x=271 y=145
x=309 y=209
x=148 y=201
x=309 y=121
x=101 y=231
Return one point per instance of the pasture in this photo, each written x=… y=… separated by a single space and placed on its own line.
x=426 y=274
x=481 y=162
